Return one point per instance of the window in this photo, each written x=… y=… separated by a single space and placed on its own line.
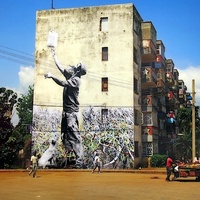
x=136 y=56
x=135 y=85
x=136 y=25
x=104 y=53
x=147 y=149
x=138 y=117
x=104 y=24
x=147 y=118
x=136 y=149
x=104 y=115
x=104 y=85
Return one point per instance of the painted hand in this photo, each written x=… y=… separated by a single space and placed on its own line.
x=48 y=75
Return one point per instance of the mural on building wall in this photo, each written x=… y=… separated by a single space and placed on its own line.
x=71 y=138
x=61 y=142
x=111 y=137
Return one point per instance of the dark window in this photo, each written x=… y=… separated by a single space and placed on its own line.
x=104 y=53
x=135 y=85
x=104 y=85
x=104 y=115
x=136 y=56
x=138 y=117
x=136 y=25
x=136 y=149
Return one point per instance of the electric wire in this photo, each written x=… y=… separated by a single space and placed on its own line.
x=21 y=57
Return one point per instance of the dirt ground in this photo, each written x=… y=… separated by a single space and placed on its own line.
x=84 y=185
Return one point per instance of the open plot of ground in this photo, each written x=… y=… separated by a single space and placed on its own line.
x=84 y=185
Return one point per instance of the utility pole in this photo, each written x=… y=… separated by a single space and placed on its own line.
x=52 y=6
x=193 y=121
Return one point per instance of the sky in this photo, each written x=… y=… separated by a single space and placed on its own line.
x=176 y=22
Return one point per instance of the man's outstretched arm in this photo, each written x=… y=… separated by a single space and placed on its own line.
x=57 y=62
x=56 y=80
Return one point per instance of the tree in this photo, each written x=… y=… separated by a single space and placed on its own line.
x=13 y=139
x=8 y=99
x=183 y=144
x=23 y=129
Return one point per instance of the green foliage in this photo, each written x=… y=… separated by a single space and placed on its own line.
x=8 y=99
x=183 y=145
x=184 y=120
x=25 y=107
x=13 y=139
x=158 y=160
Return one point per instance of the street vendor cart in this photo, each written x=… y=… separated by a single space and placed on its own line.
x=187 y=170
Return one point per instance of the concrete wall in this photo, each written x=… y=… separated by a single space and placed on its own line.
x=80 y=40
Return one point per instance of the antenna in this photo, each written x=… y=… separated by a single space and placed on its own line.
x=52 y=7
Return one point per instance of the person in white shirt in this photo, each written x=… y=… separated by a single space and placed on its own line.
x=97 y=163
x=34 y=162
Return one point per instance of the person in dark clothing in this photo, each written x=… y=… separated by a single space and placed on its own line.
x=70 y=134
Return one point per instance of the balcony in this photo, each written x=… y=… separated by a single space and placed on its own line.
x=171 y=99
x=161 y=85
x=147 y=134
x=181 y=94
x=171 y=118
x=149 y=78
x=149 y=51
x=150 y=118
x=169 y=79
x=148 y=102
x=160 y=62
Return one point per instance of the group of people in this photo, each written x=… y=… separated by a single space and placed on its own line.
x=34 y=164
x=170 y=162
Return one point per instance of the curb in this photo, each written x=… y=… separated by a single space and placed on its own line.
x=141 y=171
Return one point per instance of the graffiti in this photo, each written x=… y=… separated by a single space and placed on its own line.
x=113 y=139
x=112 y=136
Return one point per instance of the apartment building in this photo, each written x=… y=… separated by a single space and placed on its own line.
x=128 y=98
x=107 y=39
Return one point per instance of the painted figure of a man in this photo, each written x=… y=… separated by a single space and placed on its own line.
x=70 y=134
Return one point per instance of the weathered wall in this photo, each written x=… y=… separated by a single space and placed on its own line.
x=80 y=40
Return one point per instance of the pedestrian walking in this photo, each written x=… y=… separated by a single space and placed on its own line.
x=34 y=163
x=97 y=163
x=169 y=163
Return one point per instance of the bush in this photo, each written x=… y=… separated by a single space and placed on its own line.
x=158 y=160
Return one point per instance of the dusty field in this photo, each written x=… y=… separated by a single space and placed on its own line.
x=83 y=185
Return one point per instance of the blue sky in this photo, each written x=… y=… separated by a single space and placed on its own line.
x=176 y=22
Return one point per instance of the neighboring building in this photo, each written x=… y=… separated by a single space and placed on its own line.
x=149 y=84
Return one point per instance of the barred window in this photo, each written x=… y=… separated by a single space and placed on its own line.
x=147 y=149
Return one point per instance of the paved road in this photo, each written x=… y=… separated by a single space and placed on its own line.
x=83 y=185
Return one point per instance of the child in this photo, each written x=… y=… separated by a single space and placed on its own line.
x=34 y=161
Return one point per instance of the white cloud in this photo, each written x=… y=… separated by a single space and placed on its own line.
x=187 y=75
x=26 y=79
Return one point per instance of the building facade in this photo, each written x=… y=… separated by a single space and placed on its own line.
x=126 y=95
x=107 y=40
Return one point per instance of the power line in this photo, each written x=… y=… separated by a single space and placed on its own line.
x=21 y=57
